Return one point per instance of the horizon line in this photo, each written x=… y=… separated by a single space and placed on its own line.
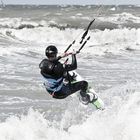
x=76 y=4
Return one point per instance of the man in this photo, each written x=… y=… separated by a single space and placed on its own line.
x=54 y=74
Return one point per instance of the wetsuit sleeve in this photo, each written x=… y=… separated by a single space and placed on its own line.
x=41 y=64
x=44 y=65
x=73 y=65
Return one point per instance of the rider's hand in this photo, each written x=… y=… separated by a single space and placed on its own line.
x=64 y=55
x=73 y=77
x=67 y=54
x=74 y=52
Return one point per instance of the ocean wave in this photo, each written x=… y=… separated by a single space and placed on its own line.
x=122 y=18
x=108 y=124
x=78 y=21
x=112 y=40
x=18 y=23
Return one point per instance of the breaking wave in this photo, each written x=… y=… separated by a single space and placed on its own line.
x=101 y=42
x=120 y=120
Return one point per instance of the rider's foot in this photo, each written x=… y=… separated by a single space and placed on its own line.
x=93 y=98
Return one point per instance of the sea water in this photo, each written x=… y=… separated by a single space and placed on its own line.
x=110 y=62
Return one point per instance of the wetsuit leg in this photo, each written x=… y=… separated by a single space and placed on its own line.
x=82 y=85
x=68 y=90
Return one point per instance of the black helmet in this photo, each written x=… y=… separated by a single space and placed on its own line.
x=51 y=51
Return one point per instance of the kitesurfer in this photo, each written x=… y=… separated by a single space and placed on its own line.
x=55 y=73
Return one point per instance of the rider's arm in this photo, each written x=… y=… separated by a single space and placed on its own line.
x=73 y=65
x=41 y=64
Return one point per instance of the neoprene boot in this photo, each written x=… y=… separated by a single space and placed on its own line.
x=85 y=99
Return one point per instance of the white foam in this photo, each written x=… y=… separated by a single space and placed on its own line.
x=58 y=14
x=121 y=18
x=113 y=41
x=120 y=120
x=113 y=9
x=16 y=22
x=112 y=124
x=79 y=14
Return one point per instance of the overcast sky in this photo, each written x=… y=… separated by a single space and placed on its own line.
x=47 y=2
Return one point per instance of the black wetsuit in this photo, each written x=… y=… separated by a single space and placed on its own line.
x=55 y=72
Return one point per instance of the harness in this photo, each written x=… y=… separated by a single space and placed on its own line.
x=53 y=85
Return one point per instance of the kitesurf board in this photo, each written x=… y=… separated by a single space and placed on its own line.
x=94 y=97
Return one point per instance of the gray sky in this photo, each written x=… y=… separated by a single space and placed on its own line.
x=116 y=2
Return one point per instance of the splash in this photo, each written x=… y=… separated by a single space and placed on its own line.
x=120 y=120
